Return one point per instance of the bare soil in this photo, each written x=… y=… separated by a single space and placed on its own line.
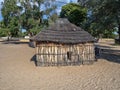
x=18 y=71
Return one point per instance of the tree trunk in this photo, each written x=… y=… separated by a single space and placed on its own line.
x=8 y=38
x=119 y=32
x=117 y=41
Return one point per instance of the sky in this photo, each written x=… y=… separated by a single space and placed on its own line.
x=60 y=3
x=0 y=10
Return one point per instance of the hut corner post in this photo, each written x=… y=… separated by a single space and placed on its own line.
x=37 y=55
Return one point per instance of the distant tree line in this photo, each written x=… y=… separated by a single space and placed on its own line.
x=26 y=14
x=103 y=17
x=98 y=17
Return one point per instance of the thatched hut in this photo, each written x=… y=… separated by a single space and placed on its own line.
x=64 y=44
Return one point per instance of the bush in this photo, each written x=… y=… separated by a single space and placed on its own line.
x=3 y=33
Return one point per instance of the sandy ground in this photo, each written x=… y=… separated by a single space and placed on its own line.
x=18 y=72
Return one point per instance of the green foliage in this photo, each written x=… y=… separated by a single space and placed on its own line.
x=10 y=13
x=111 y=14
x=25 y=16
x=4 y=32
x=74 y=12
x=54 y=17
x=36 y=30
x=9 y=10
x=104 y=16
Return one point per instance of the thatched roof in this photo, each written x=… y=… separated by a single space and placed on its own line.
x=64 y=32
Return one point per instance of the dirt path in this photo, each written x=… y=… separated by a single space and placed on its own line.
x=18 y=72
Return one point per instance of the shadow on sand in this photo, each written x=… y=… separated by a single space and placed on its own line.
x=34 y=60
x=16 y=42
x=107 y=53
x=110 y=54
x=13 y=42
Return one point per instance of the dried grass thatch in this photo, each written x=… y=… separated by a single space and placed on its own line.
x=64 y=32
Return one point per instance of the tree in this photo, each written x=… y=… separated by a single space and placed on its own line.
x=25 y=14
x=75 y=13
x=109 y=14
x=10 y=14
x=102 y=15
x=31 y=16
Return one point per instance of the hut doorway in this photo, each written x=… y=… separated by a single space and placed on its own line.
x=69 y=55
x=72 y=58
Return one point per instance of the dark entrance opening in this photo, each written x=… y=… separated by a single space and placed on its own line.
x=69 y=55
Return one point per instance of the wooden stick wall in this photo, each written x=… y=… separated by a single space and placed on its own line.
x=55 y=54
